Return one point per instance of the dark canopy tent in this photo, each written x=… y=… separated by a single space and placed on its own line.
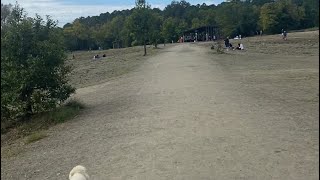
x=204 y=33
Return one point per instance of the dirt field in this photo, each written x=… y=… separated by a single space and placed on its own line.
x=189 y=113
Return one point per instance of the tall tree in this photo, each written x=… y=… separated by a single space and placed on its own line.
x=169 y=30
x=139 y=22
x=155 y=22
x=116 y=25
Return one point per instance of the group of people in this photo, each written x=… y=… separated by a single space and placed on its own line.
x=97 y=56
x=238 y=37
x=259 y=32
x=228 y=45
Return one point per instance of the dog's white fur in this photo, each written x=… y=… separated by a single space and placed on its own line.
x=78 y=173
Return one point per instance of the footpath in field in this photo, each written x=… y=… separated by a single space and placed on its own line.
x=183 y=115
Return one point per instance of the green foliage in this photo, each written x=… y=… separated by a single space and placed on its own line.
x=169 y=30
x=155 y=22
x=196 y=23
x=142 y=24
x=139 y=25
x=240 y=19
x=34 y=128
x=182 y=26
x=68 y=111
x=36 y=136
x=78 y=36
x=33 y=74
x=176 y=9
x=269 y=18
x=281 y=15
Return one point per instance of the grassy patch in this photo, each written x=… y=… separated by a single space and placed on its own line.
x=87 y=71
x=36 y=136
x=305 y=30
x=40 y=122
x=59 y=115
x=66 y=112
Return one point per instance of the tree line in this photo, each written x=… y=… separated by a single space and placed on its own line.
x=245 y=17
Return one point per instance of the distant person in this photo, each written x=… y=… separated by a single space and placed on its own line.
x=285 y=35
x=226 y=42
x=230 y=46
x=239 y=36
x=73 y=57
x=260 y=32
x=241 y=46
x=214 y=38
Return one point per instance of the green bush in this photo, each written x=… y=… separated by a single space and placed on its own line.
x=33 y=70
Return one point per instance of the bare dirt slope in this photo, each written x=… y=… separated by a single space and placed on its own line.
x=189 y=114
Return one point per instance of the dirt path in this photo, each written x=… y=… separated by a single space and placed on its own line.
x=181 y=115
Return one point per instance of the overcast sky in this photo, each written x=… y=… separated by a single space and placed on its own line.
x=66 y=11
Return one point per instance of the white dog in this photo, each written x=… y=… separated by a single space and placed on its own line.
x=78 y=173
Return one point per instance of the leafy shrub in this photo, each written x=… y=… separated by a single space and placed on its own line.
x=33 y=72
